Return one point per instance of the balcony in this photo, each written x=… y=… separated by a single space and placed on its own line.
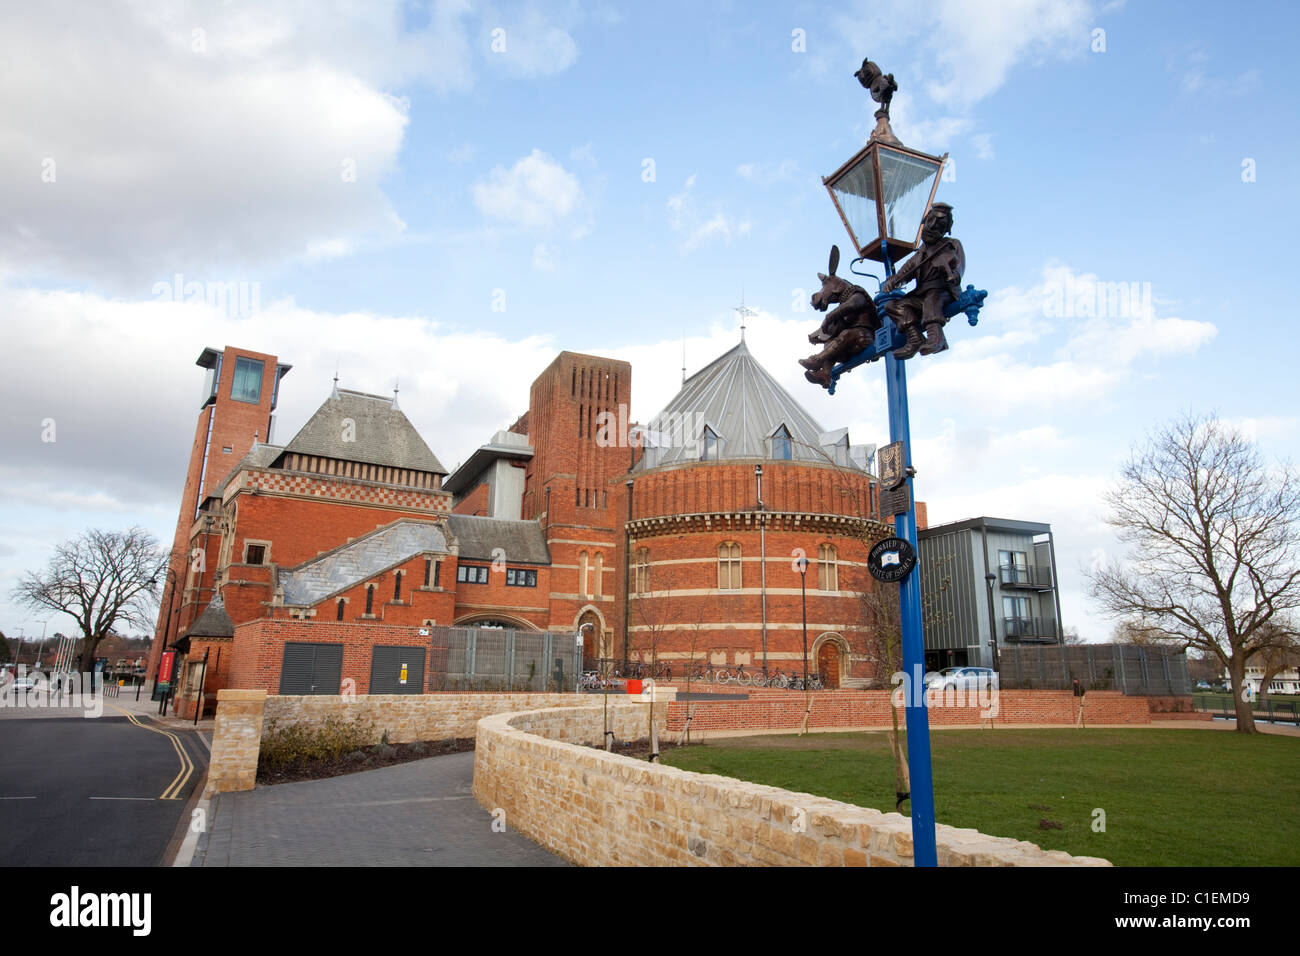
x=1029 y=630
x=1036 y=577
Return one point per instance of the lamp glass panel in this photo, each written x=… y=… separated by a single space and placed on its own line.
x=906 y=182
x=855 y=191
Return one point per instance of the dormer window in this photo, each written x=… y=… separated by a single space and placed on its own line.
x=711 y=444
x=782 y=446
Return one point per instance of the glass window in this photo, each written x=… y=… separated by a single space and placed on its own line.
x=256 y=554
x=729 y=567
x=710 y=445
x=828 y=578
x=246 y=384
x=781 y=444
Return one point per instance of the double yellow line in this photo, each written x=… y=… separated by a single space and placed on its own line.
x=173 y=790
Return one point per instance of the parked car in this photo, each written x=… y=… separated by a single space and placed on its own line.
x=962 y=678
x=1203 y=685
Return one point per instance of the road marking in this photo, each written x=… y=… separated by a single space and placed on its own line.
x=173 y=790
x=150 y=799
x=17 y=798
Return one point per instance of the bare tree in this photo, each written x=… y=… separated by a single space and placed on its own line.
x=1213 y=537
x=1070 y=635
x=1137 y=634
x=102 y=579
x=884 y=647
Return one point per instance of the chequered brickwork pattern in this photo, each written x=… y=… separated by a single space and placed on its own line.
x=601 y=809
x=345 y=489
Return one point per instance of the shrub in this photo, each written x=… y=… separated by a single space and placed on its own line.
x=297 y=744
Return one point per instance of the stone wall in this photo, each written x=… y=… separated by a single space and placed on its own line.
x=245 y=716
x=600 y=809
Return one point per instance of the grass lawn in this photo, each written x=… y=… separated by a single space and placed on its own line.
x=1172 y=797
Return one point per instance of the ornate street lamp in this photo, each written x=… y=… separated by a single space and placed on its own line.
x=884 y=195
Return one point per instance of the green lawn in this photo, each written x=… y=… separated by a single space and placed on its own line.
x=1172 y=797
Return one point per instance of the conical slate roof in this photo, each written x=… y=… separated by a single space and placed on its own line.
x=354 y=426
x=213 y=622
x=740 y=402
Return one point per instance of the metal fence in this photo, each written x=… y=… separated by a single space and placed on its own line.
x=1147 y=671
x=501 y=659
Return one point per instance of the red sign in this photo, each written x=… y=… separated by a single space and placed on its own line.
x=165 y=670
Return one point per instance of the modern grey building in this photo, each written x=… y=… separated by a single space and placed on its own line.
x=982 y=577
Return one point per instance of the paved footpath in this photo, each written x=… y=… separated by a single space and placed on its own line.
x=421 y=813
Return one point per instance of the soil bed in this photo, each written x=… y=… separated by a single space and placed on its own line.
x=366 y=758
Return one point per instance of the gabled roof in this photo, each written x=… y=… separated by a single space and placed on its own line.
x=259 y=456
x=740 y=401
x=479 y=538
x=355 y=426
x=359 y=560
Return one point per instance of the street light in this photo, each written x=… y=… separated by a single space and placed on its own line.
x=802 y=565
x=990 y=578
x=884 y=195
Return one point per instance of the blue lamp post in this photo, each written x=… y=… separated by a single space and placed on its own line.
x=883 y=195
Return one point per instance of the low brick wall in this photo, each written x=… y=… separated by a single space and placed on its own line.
x=784 y=710
x=245 y=716
x=601 y=809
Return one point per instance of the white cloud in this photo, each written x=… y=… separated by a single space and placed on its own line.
x=696 y=227
x=536 y=192
x=534 y=46
x=543 y=258
x=983 y=143
x=229 y=148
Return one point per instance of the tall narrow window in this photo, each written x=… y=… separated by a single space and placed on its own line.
x=827 y=571
x=428 y=567
x=642 y=583
x=729 y=567
x=370 y=599
x=437 y=573
x=600 y=570
x=584 y=587
x=781 y=444
x=710 y=452
x=397 y=586
x=339 y=612
x=246 y=383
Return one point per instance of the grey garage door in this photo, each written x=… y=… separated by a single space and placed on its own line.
x=311 y=668
x=387 y=665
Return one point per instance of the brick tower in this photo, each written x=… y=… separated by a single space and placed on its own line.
x=238 y=398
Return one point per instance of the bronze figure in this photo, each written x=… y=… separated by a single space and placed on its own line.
x=880 y=84
x=847 y=330
x=937 y=267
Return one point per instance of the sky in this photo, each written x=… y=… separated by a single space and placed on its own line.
x=441 y=196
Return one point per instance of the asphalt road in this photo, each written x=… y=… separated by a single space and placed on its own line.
x=106 y=791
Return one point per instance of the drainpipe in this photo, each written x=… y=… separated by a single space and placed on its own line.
x=1056 y=591
x=762 y=557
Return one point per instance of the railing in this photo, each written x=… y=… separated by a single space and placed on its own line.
x=1029 y=628
x=1026 y=576
x=1274 y=711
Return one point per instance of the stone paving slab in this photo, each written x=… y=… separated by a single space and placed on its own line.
x=421 y=813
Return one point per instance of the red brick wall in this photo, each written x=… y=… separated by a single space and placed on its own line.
x=783 y=710
x=474 y=503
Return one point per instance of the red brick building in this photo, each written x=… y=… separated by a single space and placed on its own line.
x=352 y=536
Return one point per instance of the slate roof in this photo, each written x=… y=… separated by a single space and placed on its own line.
x=478 y=537
x=359 y=560
x=213 y=622
x=743 y=404
x=383 y=435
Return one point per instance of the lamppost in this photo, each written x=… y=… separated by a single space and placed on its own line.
x=990 y=578
x=884 y=195
x=802 y=565
x=173 y=577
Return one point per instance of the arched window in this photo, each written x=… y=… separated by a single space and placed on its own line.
x=642 y=583
x=370 y=599
x=782 y=446
x=828 y=578
x=339 y=612
x=729 y=567
x=583 y=582
x=600 y=570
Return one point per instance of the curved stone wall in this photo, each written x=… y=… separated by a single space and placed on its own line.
x=600 y=809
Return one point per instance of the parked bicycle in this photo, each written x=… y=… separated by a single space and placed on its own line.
x=740 y=676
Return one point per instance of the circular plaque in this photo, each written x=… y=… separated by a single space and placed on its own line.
x=891 y=560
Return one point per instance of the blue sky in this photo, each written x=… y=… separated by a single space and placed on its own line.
x=385 y=176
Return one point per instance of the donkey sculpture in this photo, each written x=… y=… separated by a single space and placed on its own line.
x=846 y=330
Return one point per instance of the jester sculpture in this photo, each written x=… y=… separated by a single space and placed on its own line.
x=937 y=268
